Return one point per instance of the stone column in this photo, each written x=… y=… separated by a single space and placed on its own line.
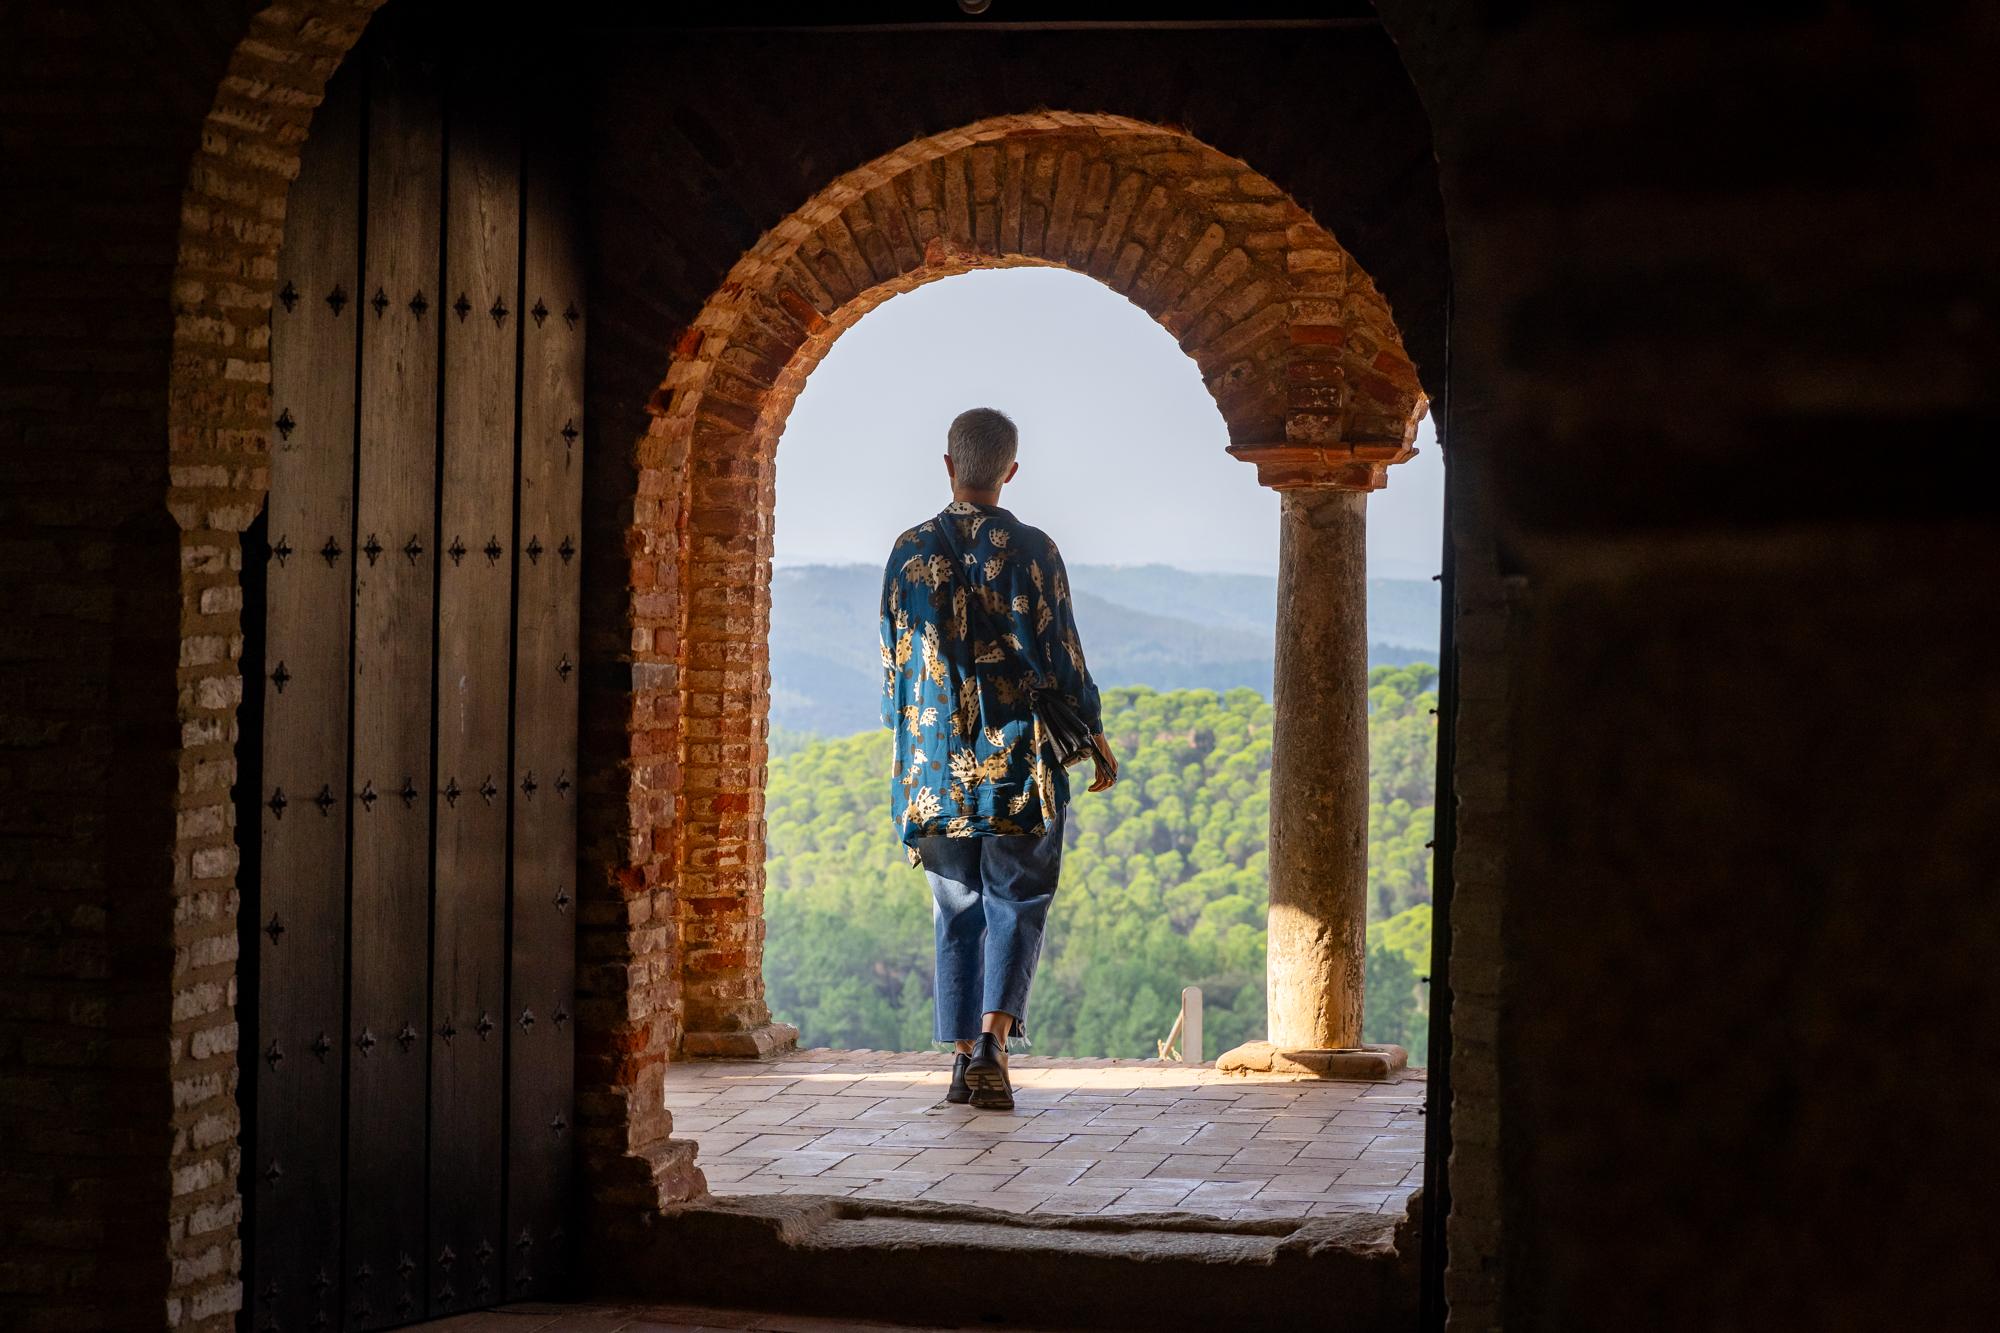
x=1319 y=774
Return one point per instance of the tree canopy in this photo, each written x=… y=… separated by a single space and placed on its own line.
x=1163 y=882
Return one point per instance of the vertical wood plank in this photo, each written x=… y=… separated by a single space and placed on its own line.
x=541 y=1086
x=482 y=300
x=293 y=1174
x=388 y=1023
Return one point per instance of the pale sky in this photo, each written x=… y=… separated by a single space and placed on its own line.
x=1121 y=453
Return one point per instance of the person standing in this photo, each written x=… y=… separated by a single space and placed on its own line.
x=976 y=620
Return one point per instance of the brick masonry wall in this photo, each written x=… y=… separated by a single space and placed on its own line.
x=219 y=410
x=1294 y=341
x=131 y=407
x=133 y=419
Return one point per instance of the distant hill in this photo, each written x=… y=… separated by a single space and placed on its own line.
x=1142 y=625
x=1234 y=601
x=1401 y=612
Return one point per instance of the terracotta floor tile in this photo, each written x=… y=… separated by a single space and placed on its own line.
x=1326 y=1208
x=691 y=1120
x=847 y=1140
x=1078 y=1202
x=1062 y=1171
x=1331 y=1149
x=1228 y=1193
x=1122 y=1136
x=1408 y=1142
x=1350 y=1194
x=770 y=1145
x=1188 y=1165
x=893 y=1189
x=1255 y=1211
x=981 y=1190
x=1014 y=1150
x=1220 y=1130
x=873 y=1163
x=1264 y=1154
x=802 y=1163
x=919 y=1175
x=1088 y=1145
x=1308 y=1188
x=982 y=1166
x=1106 y=1172
x=944 y=1156
x=1286 y=1128
x=1360 y=1119
x=1220 y=1149
x=716 y=1141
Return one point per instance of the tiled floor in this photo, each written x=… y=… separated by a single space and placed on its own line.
x=1086 y=1136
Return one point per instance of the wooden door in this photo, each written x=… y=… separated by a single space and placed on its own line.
x=414 y=689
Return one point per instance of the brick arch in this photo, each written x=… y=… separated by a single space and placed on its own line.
x=1292 y=338
x=218 y=443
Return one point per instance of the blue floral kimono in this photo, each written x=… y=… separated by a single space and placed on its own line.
x=970 y=757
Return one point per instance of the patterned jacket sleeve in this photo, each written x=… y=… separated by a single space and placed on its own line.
x=890 y=600
x=1060 y=648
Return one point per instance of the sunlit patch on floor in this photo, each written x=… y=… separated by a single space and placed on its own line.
x=1086 y=1137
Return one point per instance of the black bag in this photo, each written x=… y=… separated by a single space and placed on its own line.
x=1064 y=730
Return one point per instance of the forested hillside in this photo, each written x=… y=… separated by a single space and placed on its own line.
x=1163 y=882
x=1141 y=625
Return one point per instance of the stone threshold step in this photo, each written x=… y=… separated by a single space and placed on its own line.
x=956 y=1265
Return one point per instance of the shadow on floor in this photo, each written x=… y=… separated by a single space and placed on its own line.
x=542 y=1317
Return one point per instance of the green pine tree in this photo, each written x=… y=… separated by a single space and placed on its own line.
x=1163 y=882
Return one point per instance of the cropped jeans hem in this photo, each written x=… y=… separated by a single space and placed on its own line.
x=990 y=901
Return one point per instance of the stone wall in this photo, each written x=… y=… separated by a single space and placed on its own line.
x=1723 y=344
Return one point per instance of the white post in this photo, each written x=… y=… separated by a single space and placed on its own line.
x=1191 y=1025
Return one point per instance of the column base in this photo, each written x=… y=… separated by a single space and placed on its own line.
x=1373 y=1063
x=758 y=1043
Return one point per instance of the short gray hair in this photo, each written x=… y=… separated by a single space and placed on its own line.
x=982 y=443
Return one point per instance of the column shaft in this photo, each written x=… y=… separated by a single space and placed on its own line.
x=1319 y=773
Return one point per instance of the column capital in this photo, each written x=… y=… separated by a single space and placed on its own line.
x=1358 y=465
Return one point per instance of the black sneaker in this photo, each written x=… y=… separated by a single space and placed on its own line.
x=987 y=1076
x=959 y=1093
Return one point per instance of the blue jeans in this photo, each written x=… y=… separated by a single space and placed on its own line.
x=990 y=899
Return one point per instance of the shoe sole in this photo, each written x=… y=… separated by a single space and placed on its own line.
x=990 y=1090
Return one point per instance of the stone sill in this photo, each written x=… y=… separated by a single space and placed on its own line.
x=960 y=1265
